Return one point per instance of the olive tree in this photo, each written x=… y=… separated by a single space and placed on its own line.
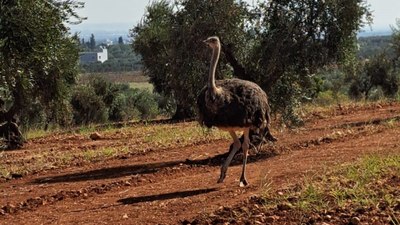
x=38 y=59
x=379 y=72
x=169 y=38
x=396 y=37
x=278 y=44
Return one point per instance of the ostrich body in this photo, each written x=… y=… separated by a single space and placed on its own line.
x=233 y=105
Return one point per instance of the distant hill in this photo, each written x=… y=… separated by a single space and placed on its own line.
x=114 y=30
x=371 y=42
x=103 y=32
x=375 y=33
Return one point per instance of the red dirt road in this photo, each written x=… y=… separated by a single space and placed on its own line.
x=167 y=186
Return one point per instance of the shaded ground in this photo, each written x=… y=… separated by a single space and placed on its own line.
x=174 y=184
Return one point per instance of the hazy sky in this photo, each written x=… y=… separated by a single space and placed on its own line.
x=129 y=12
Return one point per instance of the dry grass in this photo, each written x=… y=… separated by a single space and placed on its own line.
x=141 y=138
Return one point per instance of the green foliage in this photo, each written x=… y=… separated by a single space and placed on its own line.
x=145 y=102
x=98 y=100
x=172 y=52
x=284 y=87
x=375 y=73
x=396 y=40
x=87 y=106
x=330 y=97
x=378 y=75
x=121 y=58
x=105 y=89
x=134 y=104
x=277 y=44
x=297 y=39
x=122 y=110
x=120 y=41
x=372 y=46
x=92 y=42
x=38 y=58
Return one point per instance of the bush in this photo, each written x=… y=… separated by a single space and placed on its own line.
x=87 y=106
x=100 y=100
x=285 y=99
x=166 y=105
x=377 y=75
x=145 y=102
x=121 y=110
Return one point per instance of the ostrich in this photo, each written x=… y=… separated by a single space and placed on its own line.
x=233 y=105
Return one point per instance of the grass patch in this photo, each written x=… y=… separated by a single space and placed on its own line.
x=39 y=133
x=363 y=192
x=166 y=135
x=327 y=98
x=92 y=155
x=108 y=152
x=87 y=129
x=141 y=85
x=371 y=183
x=142 y=138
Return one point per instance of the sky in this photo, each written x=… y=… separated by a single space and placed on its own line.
x=127 y=13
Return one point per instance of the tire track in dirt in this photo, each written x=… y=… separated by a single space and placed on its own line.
x=174 y=199
x=179 y=181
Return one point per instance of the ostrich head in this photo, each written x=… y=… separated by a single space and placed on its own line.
x=212 y=42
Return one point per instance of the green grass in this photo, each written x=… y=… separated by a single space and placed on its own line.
x=141 y=85
x=363 y=184
x=82 y=130
x=102 y=153
x=166 y=135
x=108 y=152
x=38 y=133
x=327 y=98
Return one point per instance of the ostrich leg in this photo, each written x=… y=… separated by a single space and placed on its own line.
x=245 y=147
x=235 y=148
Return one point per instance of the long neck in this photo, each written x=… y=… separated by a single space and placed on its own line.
x=213 y=66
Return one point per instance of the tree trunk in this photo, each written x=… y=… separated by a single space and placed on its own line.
x=243 y=73
x=12 y=135
x=9 y=130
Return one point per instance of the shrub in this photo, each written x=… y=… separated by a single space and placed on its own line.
x=145 y=102
x=87 y=106
x=121 y=110
x=166 y=105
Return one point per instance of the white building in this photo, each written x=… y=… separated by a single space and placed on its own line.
x=90 y=57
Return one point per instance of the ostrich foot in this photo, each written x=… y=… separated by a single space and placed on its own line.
x=221 y=178
x=243 y=182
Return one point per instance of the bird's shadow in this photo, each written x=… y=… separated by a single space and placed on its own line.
x=165 y=196
x=140 y=169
